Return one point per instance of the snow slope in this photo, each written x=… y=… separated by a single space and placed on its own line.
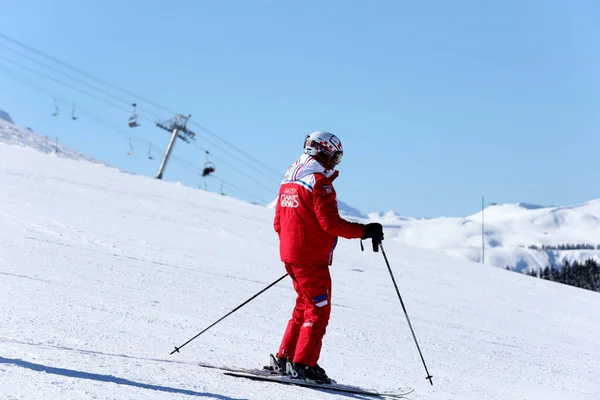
x=103 y=272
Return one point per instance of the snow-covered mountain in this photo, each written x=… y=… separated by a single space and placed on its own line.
x=4 y=116
x=521 y=236
x=24 y=137
x=103 y=272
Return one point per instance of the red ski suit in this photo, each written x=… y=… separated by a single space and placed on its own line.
x=308 y=223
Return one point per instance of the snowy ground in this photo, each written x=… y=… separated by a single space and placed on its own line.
x=102 y=273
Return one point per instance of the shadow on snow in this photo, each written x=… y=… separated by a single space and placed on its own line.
x=110 y=378
x=105 y=378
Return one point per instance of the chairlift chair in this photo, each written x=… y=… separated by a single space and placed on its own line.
x=73 y=117
x=56 y=109
x=209 y=166
x=133 y=119
x=130 y=152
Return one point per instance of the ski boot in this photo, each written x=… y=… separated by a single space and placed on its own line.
x=314 y=374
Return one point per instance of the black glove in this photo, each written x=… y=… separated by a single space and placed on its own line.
x=373 y=230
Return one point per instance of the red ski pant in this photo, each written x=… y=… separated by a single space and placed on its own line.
x=305 y=330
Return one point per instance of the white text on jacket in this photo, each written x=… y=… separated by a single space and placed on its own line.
x=289 y=198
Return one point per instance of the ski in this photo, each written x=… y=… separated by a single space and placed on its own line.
x=270 y=376
x=335 y=387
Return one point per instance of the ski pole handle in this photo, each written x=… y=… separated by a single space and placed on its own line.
x=376 y=242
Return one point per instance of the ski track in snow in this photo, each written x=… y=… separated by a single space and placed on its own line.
x=102 y=273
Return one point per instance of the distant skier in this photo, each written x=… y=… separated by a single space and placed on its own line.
x=308 y=223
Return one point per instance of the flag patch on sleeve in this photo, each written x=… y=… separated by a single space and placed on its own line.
x=321 y=300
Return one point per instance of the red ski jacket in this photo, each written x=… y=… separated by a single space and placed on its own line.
x=306 y=216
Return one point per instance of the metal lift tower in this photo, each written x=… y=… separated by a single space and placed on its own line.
x=178 y=129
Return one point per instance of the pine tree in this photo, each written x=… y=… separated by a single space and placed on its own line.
x=546 y=273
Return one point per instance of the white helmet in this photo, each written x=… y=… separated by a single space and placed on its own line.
x=324 y=147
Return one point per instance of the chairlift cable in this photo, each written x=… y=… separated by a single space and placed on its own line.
x=270 y=189
x=133 y=95
x=116 y=129
x=80 y=81
x=86 y=74
x=68 y=85
x=251 y=157
x=119 y=108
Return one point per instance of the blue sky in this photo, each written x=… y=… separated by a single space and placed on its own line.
x=435 y=102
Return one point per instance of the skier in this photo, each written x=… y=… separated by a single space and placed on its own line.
x=308 y=224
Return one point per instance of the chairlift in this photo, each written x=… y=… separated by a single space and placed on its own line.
x=133 y=119
x=209 y=166
x=73 y=113
x=56 y=109
x=130 y=152
x=150 y=152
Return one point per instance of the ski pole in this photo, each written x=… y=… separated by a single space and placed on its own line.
x=229 y=313
x=404 y=308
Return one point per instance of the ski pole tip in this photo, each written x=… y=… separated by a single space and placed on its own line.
x=430 y=377
x=176 y=350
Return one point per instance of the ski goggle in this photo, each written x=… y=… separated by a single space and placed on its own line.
x=337 y=157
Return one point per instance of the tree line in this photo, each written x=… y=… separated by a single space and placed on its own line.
x=585 y=275
x=565 y=247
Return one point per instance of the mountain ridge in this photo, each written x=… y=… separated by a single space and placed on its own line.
x=12 y=134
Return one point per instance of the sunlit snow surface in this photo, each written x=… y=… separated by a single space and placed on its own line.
x=102 y=273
